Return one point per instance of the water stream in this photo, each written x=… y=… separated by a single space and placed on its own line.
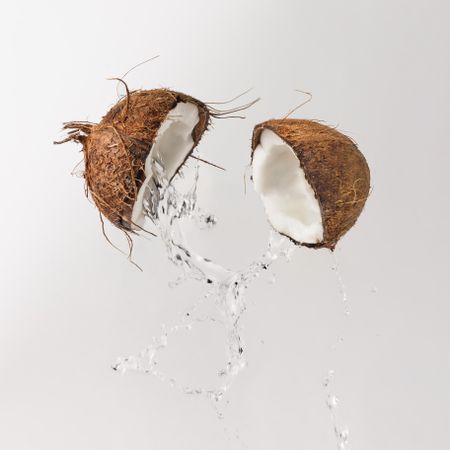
x=167 y=205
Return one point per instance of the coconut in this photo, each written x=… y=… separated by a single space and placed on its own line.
x=145 y=127
x=312 y=179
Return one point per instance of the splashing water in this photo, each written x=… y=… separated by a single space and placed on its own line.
x=167 y=206
x=332 y=401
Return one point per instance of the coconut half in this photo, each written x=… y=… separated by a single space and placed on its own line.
x=144 y=127
x=312 y=179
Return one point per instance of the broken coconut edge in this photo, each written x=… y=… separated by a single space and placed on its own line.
x=333 y=168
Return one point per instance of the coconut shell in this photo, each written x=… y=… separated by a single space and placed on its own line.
x=334 y=167
x=115 y=150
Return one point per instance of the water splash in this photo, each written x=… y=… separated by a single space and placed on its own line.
x=332 y=400
x=168 y=206
x=342 y=287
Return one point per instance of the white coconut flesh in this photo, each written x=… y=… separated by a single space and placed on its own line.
x=289 y=200
x=172 y=145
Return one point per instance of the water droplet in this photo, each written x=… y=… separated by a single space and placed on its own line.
x=329 y=378
x=342 y=437
x=332 y=401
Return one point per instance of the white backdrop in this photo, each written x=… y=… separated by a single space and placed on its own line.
x=70 y=304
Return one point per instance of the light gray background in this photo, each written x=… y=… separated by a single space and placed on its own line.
x=70 y=304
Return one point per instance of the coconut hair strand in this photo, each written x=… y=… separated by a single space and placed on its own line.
x=301 y=104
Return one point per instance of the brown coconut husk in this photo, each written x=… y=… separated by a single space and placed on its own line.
x=115 y=150
x=334 y=167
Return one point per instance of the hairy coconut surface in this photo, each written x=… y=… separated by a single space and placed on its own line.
x=117 y=149
x=334 y=170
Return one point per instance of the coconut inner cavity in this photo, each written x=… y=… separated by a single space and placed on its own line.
x=172 y=145
x=289 y=200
